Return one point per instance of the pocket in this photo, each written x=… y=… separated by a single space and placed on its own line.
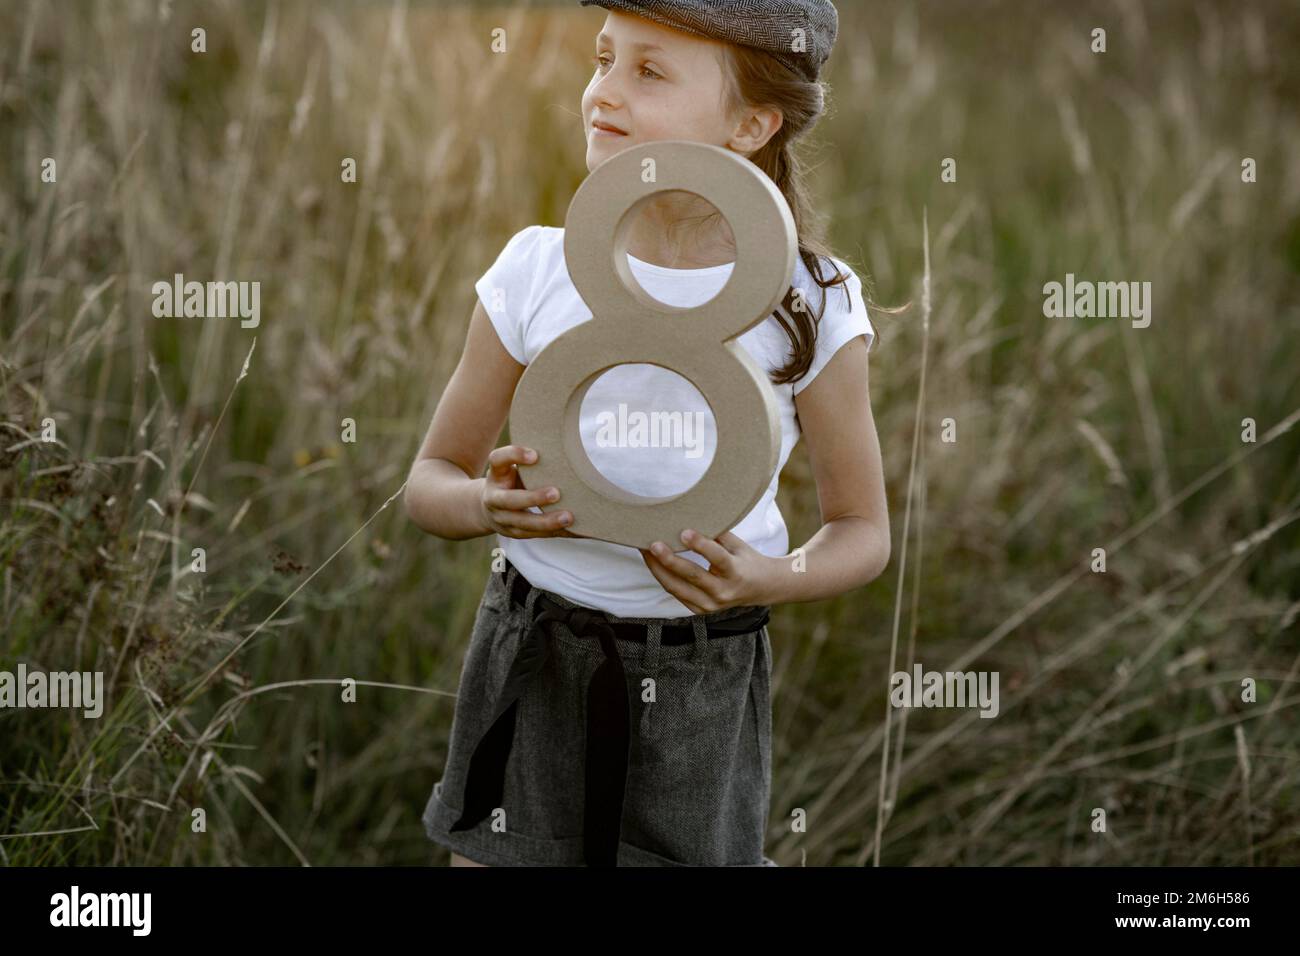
x=493 y=641
x=698 y=706
x=496 y=599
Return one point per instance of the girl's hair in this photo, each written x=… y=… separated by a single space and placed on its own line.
x=757 y=79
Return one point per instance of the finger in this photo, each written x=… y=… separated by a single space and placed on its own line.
x=528 y=524
x=719 y=558
x=732 y=543
x=678 y=582
x=671 y=583
x=501 y=461
x=690 y=572
x=521 y=499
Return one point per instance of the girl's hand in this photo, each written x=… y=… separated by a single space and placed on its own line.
x=738 y=575
x=505 y=501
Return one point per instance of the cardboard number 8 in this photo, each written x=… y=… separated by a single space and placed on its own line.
x=630 y=326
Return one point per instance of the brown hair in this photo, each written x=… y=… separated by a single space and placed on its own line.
x=757 y=79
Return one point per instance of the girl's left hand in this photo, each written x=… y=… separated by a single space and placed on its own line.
x=737 y=576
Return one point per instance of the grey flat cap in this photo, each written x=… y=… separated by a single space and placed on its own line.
x=767 y=25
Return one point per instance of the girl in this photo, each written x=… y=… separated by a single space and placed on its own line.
x=614 y=704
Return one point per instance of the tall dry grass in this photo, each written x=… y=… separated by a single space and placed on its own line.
x=1119 y=690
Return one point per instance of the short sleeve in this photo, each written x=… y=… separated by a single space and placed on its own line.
x=842 y=321
x=506 y=290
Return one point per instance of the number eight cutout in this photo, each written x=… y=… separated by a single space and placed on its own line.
x=630 y=326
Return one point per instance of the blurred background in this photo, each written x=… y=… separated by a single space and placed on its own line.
x=1119 y=690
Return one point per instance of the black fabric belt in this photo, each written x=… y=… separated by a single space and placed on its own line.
x=608 y=714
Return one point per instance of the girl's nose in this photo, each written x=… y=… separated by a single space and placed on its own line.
x=605 y=92
x=603 y=103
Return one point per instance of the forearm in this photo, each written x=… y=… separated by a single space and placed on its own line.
x=444 y=501
x=844 y=554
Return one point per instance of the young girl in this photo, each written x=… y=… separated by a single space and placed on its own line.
x=614 y=704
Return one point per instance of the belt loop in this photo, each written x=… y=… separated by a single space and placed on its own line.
x=701 y=629
x=650 y=666
x=533 y=595
x=653 y=636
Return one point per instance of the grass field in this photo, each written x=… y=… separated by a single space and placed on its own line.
x=1119 y=690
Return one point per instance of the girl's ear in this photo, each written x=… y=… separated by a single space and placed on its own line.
x=756 y=127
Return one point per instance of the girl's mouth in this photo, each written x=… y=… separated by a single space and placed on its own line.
x=601 y=129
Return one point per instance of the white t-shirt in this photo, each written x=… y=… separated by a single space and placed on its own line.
x=531 y=300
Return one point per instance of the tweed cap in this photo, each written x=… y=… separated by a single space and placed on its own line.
x=766 y=25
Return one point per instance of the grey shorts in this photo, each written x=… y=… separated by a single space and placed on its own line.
x=698 y=781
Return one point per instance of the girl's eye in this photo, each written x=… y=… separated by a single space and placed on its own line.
x=600 y=60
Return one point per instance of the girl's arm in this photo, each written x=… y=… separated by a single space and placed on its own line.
x=852 y=546
x=446 y=491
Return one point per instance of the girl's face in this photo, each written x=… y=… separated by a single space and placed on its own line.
x=654 y=83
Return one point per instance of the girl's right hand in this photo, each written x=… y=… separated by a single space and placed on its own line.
x=505 y=501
